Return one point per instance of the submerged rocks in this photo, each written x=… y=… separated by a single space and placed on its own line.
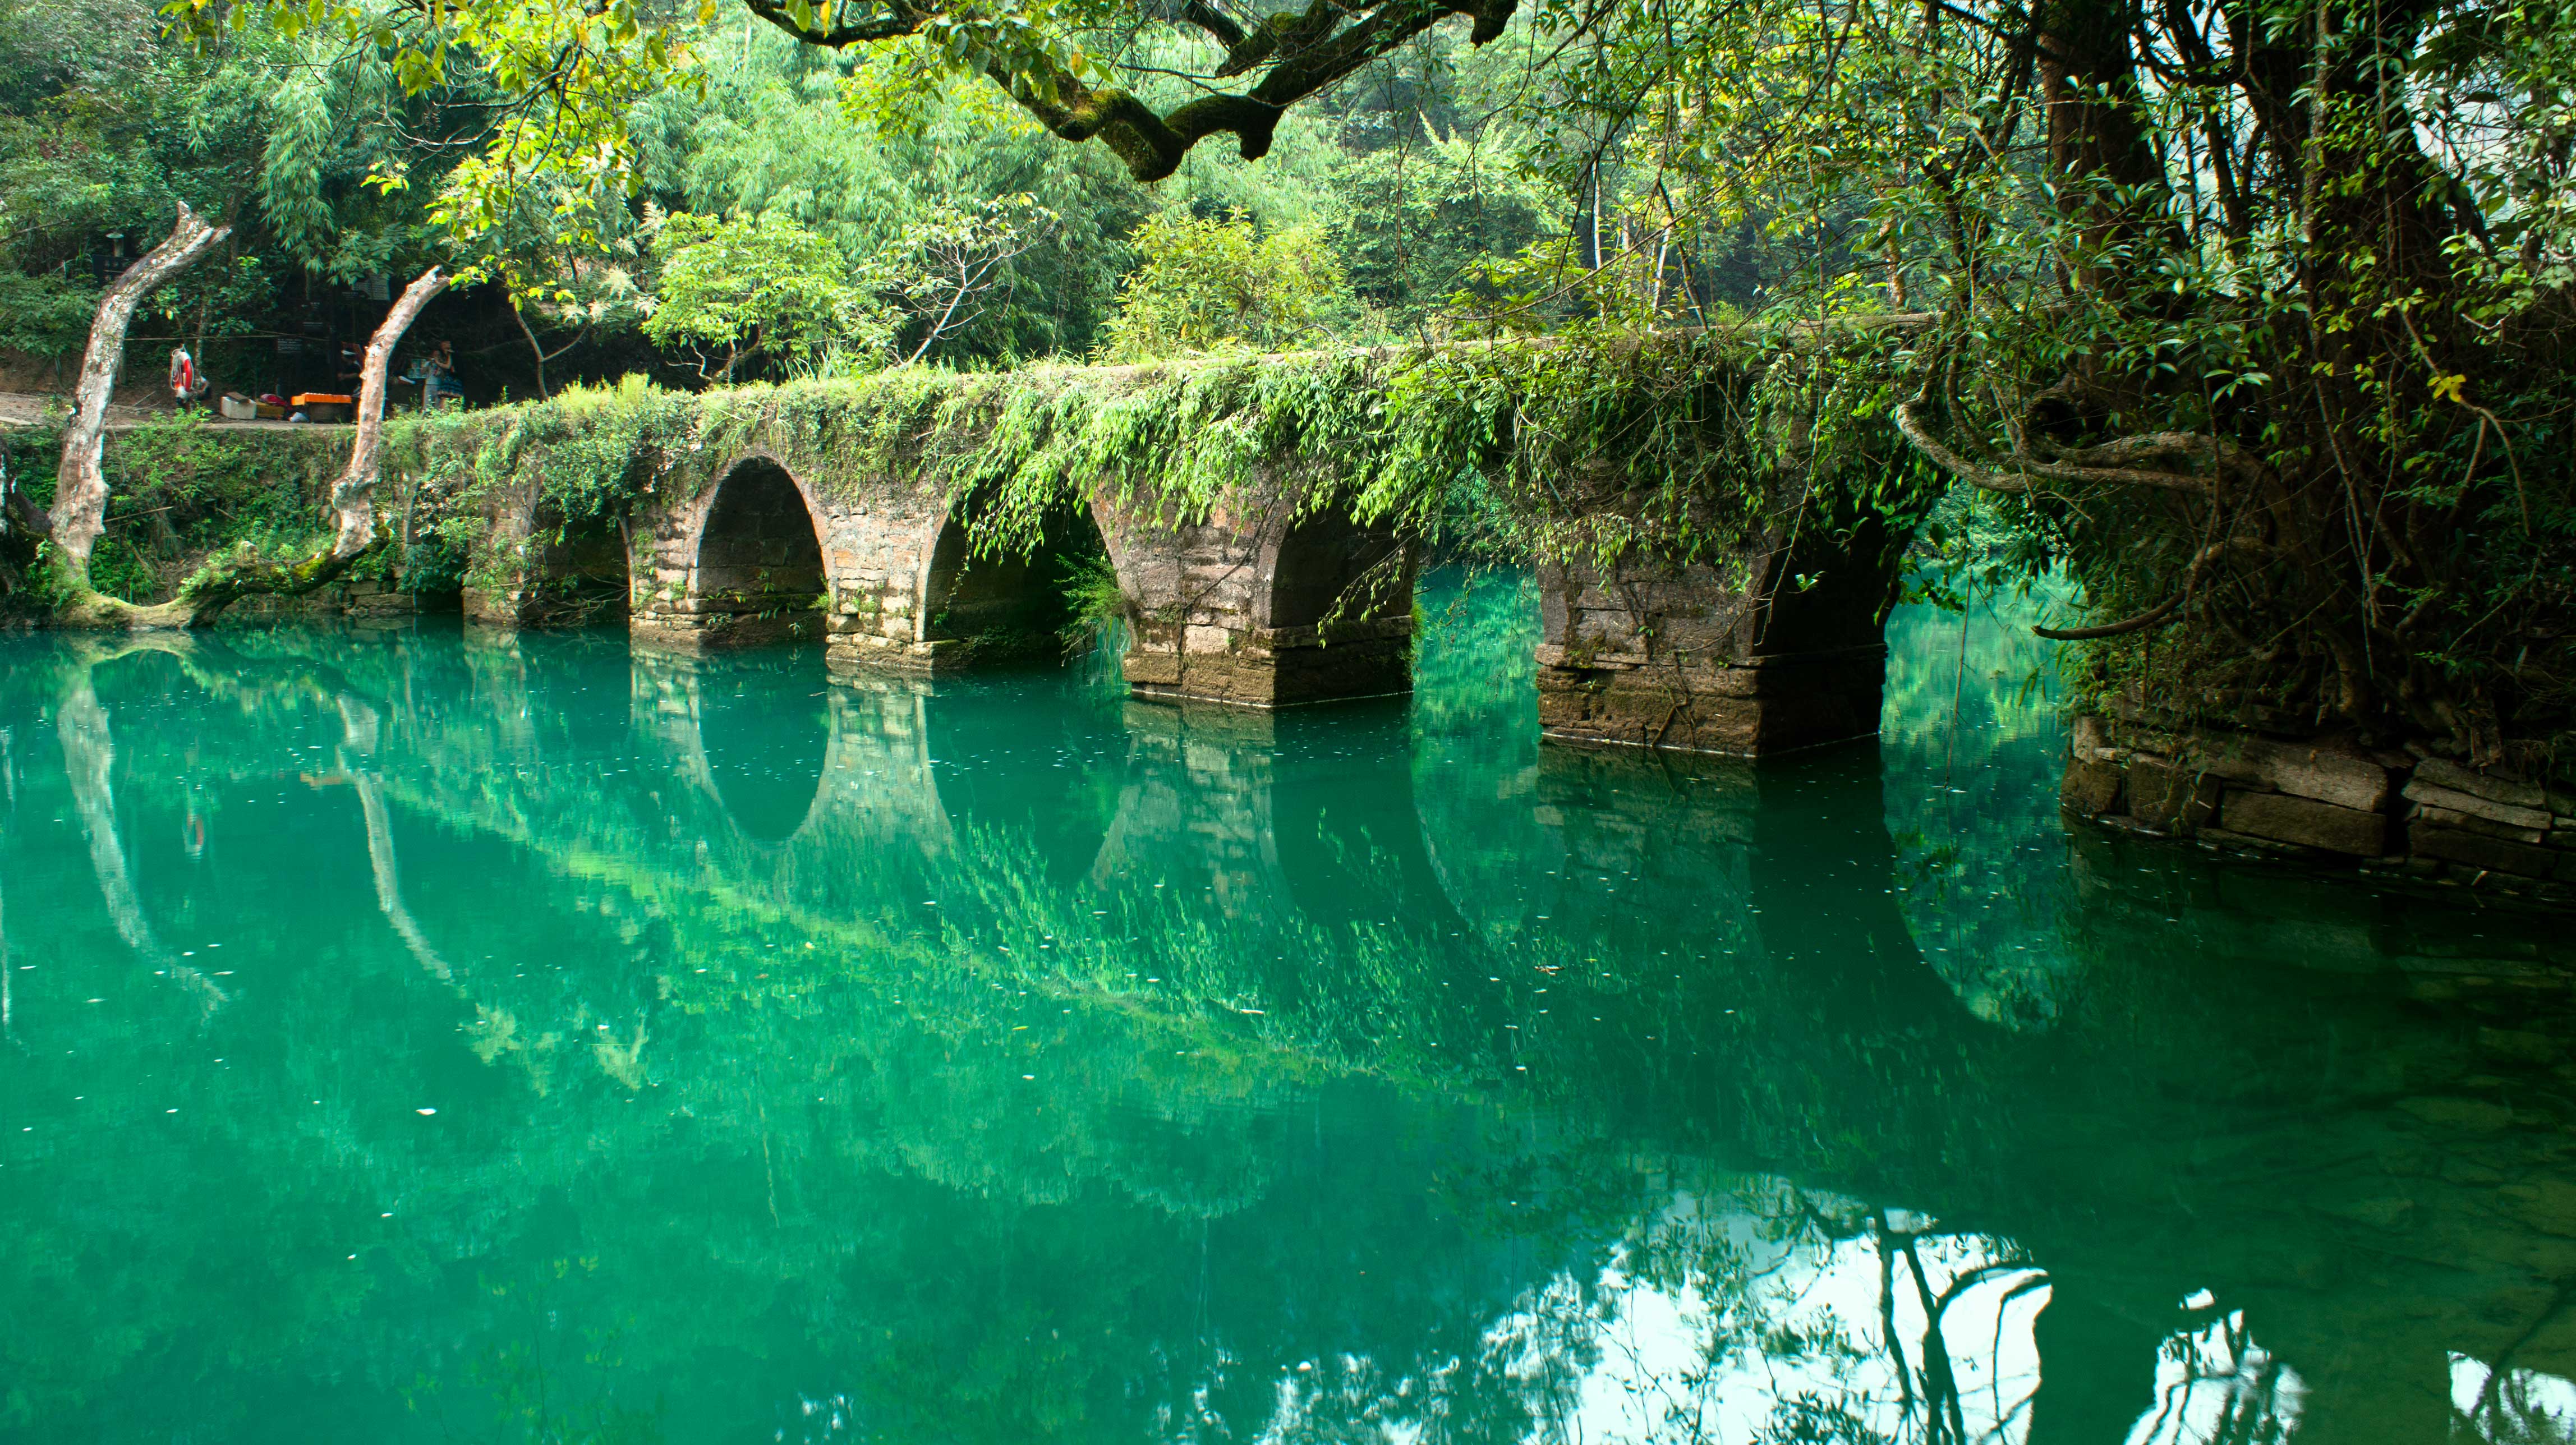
x=2479 y=1116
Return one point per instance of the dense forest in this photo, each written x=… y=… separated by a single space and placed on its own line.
x=2247 y=318
x=855 y=196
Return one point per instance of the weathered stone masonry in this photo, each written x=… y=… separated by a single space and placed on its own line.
x=1787 y=651
x=1253 y=606
x=2419 y=817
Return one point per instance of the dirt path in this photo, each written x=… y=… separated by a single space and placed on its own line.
x=27 y=408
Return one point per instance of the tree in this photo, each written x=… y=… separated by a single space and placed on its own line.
x=80 y=487
x=2254 y=316
x=1205 y=284
x=570 y=72
x=956 y=262
x=760 y=286
x=569 y=272
x=245 y=573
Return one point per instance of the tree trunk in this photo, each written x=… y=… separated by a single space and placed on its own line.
x=352 y=497
x=204 y=597
x=534 y=348
x=80 y=490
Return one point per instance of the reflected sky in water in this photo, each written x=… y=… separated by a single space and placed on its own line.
x=419 y=1036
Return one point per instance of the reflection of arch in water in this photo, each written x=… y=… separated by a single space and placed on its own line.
x=1013 y=605
x=763 y=751
x=1349 y=838
x=1042 y=772
x=1195 y=810
x=1280 y=816
x=756 y=561
x=747 y=739
x=773 y=767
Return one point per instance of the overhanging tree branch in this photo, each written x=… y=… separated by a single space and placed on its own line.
x=1305 y=53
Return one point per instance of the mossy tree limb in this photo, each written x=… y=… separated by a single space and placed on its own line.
x=1297 y=56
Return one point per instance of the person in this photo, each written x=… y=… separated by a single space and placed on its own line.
x=187 y=387
x=438 y=384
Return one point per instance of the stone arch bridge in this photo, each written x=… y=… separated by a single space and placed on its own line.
x=1260 y=602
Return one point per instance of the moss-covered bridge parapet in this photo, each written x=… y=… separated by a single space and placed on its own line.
x=1716 y=525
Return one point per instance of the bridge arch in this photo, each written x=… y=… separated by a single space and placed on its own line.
x=751 y=778
x=1326 y=573
x=1010 y=607
x=757 y=558
x=739 y=562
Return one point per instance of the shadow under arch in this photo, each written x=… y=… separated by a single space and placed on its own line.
x=757 y=561
x=1010 y=605
x=1328 y=570
x=580 y=573
x=1336 y=609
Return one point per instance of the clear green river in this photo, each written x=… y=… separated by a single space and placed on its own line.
x=448 y=1036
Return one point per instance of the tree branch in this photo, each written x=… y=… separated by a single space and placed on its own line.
x=2019 y=475
x=1305 y=57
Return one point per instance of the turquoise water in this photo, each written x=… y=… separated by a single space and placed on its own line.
x=414 y=1036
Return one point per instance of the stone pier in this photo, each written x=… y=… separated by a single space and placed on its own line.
x=1266 y=613
x=1780 y=650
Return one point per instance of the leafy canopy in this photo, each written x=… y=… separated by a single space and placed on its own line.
x=755 y=286
x=1211 y=283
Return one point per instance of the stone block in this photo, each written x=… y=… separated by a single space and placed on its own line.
x=1141 y=666
x=2091 y=738
x=2443 y=773
x=2227 y=838
x=2321 y=773
x=1768 y=706
x=2477 y=850
x=2433 y=795
x=2176 y=799
x=2090 y=788
x=2471 y=823
x=2284 y=818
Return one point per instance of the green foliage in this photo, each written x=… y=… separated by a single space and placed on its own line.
x=1500 y=452
x=1419 y=220
x=1214 y=283
x=754 y=286
x=1095 y=603
x=182 y=491
x=947 y=269
x=44 y=316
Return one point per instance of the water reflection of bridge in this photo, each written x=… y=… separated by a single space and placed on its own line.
x=1641 y=990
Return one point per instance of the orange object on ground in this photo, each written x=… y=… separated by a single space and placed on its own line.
x=319 y=398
